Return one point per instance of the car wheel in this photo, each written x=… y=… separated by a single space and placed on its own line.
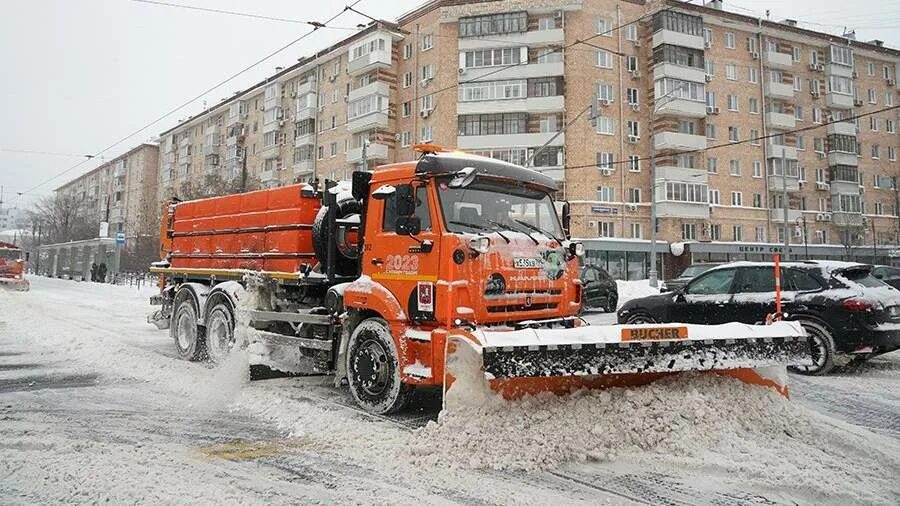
x=188 y=336
x=639 y=319
x=373 y=369
x=612 y=301
x=821 y=348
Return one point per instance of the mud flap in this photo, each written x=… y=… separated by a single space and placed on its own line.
x=526 y=362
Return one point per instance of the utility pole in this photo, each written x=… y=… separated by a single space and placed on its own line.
x=784 y=204
x=365 y=159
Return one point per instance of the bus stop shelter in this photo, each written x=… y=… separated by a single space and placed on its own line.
x=72 y=260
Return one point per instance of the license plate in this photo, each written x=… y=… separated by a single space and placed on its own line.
x=654 y=333
x=527 y=263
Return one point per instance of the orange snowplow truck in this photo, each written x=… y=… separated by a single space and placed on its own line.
x=390 y=279
x=12 y=267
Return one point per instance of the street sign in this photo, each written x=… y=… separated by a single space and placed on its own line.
x=120 y=237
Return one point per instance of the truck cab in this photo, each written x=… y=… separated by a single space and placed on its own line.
x=12 y=267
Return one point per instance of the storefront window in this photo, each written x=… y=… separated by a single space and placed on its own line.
x=636 y=263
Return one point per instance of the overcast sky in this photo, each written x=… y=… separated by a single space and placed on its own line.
x=80 y=75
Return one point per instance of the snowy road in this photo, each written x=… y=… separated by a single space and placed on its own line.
x=94 y=407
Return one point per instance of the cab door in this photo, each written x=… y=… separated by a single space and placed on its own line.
x=406 y=264
x=706 y=299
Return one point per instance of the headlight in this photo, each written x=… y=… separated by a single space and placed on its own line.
x=480 y=244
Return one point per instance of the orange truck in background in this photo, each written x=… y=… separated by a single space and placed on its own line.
x=12 y=267
x=375 y=280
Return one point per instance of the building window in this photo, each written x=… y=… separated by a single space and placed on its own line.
x=427 y=42
x=606 y=194
x=892 y=153
x=632 y=94
x=636 y=232
x=426 y=133
x=406 y=109
x=873 y=123
x=605 y=161
x=605 y=125
x=737 y=233
x=547 y=123
x=757 y=168
x=714 y=199
x=689 y=231
x=707 y=37
x=731 y=72
x=631 y=63
x=753 y=75
x=678 y=55
x=872 y=99
x=492 y=124
x=737 y=199
x=715 y=232
x=492 y=57
x=735 y=168
x=760 y=233
x=631 y=32
x=732 y=102
x=634 y=128
x=493 y=24
x=798 y=112
x=676 y=88
x=712 y=165
x=604 y=59
x=407 y=51
x=604 y=27
x=876 y=151
x=605 y=92
x=729 y=40
x=634 y=163
x=634 y=195
x=407 y=79
x=607 y=229
x=678 y=22
x=710 y=131
x=888 y=98
x=733 y=134
x=754 y=137
x=404 y=139
x=842 y=55
x=798 y=83
x=541 y=87
x=687 y=192
x=493 y=90
x=753 y=105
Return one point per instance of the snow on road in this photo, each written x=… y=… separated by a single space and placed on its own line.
x=94 y=407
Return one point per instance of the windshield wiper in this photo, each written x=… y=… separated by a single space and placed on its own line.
x=470 y=225
x=499 y=226
x=537 y=229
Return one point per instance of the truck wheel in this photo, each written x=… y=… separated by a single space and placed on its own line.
x=219 y=332
x=188 y=335
x=373 y=369
x=822 y=349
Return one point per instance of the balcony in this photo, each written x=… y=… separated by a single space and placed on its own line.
x=696 y=210
x=378 y=119
x=838 y=100
x=775 y=151
x=846 y=219
x=781 y=91
x=373 y=152
x=375 y=88
x=841 y=158
x=780 y=120
x=267 y=175
x=681 y=107
x=677 y=141
x=302 y=139
x=534 y=38
x=526 y=140
x=678 y=39
x=373 y=60
x=533 y=105
x=839 y=187
x=776 y=60
x=834 y=69
x=841 y=128
x=303 y=113
x=683 y=174
x=665 y=69
x=303 y=167
x=526 y=71
x=307 y=87
x=777 y=215
x=790 y=183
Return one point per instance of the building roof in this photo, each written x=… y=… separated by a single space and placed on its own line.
x=131 y=151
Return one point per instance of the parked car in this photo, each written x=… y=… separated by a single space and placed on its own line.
x=890 y=275
x=690 y=273
x=599 y=290
x=847 y=312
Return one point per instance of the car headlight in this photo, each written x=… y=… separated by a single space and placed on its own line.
x=480 y=244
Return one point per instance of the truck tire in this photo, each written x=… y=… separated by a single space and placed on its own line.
x=822 y=348
x=373 y=369
x=219 y=332
x=188 y=335
x=343 y=265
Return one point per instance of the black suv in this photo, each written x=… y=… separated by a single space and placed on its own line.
x=844 y=309
x=890 y=275
x=599 y=289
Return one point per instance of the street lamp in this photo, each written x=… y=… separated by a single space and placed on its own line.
x=801 y=221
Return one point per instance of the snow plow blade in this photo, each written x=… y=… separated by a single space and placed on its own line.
x=530 y=361
x=19 y=285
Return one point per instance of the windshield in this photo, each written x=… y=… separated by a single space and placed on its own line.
x=862 y=277
x=695 y=270
x=492 y=205
x=10 y=254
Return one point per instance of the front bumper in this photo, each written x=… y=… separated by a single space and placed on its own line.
x=18 y=284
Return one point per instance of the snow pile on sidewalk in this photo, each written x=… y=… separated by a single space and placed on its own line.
x=634 y=290
x=690 y=421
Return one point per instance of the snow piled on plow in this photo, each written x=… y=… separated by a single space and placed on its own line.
x=701 y=421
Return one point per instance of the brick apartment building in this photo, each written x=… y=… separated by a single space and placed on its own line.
x=694 y=84
x=122 y=191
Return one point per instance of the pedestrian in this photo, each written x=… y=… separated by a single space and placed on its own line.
x=101 y=273
x=94 y=271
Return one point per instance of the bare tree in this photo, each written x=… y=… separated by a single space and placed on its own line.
x=851 y=237
x=214 y=185
x=62 y=218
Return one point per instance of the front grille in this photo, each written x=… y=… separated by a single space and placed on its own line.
x=509 y=308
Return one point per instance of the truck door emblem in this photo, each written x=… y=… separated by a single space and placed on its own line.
x=425 y=296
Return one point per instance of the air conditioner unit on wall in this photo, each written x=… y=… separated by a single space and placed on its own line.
x=708 y=77
x=635 y=74
x=606 y=172
x=632 y=207
x=635 y=107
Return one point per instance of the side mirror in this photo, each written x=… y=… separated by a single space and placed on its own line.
x=360 y=184
x=878 y=275
x=406 y=200
x=566 y=218
x=408 y=225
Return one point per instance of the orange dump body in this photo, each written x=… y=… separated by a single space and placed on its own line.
x=266 y=230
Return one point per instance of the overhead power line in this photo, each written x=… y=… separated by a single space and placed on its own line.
x=244 y=14
x=47 y=153
x=198 y=97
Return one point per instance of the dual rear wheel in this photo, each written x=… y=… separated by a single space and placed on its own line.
x=194 y=342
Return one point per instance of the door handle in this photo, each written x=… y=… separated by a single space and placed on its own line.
x=377 y=261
